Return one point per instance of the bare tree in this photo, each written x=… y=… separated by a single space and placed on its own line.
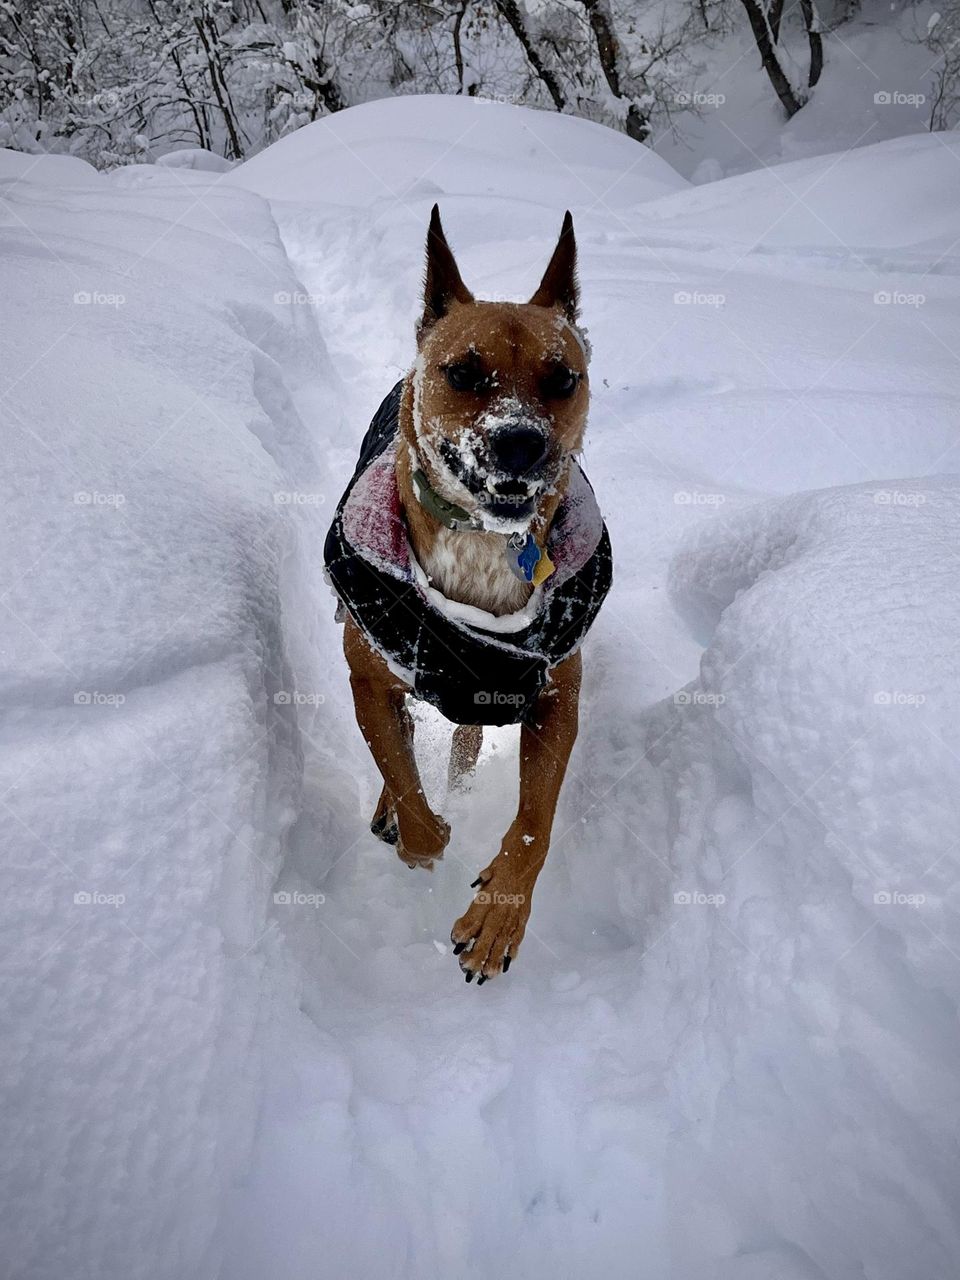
x=637 y=124
x=759 y=18
x=511 y=11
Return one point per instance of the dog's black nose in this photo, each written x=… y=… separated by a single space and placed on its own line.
x=517 y=449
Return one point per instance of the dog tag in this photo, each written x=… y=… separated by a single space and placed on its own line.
x=543 y=570
x=522 y=556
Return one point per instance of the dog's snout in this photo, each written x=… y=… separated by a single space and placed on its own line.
x=517 y=449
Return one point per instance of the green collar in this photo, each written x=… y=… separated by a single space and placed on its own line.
x=446 y=512
x=523 y=555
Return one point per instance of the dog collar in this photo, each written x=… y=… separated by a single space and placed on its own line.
x=442 y=509
x=527 y=560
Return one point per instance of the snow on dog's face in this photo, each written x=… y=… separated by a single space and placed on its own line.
x=500 y=389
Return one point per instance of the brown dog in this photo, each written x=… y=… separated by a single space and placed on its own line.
x=488 y=422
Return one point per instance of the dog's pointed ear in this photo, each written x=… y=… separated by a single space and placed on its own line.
x=442 y=284
x=559 y=287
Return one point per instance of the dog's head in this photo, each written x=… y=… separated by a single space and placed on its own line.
x=500 y=389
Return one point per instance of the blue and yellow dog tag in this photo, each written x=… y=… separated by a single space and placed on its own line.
x=527 y=562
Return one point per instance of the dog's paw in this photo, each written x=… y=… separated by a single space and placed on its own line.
x=425 y=844
x=383 y=824
x=384 y=827
x=487 y=936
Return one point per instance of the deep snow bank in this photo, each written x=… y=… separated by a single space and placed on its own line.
x=423 y=145
x=827 y=710
x=147 y=770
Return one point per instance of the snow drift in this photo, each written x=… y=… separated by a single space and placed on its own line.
x=148 y=769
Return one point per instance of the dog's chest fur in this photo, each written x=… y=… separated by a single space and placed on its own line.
x=472 y=568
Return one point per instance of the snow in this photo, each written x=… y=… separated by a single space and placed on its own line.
x=728 y=1047
x=879 y=83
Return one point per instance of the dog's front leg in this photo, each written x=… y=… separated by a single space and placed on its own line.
x=378 y=699
x=497 y=918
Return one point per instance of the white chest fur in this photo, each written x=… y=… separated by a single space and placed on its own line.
x=472 y=568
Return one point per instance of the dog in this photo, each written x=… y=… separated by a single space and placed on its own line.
x=470 y=559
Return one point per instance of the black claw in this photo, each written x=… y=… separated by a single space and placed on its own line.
x=461 y=946
x=477 y=883
x=469 y=975
x=481 y=980
x=506 y=963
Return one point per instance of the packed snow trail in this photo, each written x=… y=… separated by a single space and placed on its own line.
x=727 y=1048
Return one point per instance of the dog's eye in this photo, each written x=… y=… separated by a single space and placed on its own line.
x=466 y=377
x=560 y=383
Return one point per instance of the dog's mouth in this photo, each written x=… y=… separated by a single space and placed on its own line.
x=507 y=499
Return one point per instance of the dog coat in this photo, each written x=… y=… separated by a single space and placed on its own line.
x=474 y=667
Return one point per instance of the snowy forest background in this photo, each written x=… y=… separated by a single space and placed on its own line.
x=122 y=81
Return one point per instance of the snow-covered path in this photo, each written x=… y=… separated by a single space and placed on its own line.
x=728 y=1047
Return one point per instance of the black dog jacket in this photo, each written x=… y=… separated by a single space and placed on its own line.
x=475 y=668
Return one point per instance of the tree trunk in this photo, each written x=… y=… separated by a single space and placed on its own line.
x=768 y=56
x=608 y=49
x=215 y=70
x=812 y=23
x=514 y=17
x=457 y=47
